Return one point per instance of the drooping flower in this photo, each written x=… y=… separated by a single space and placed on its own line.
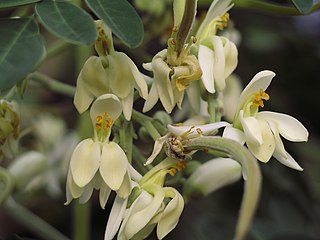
x=218 y=56
x=261 y=130
x=99 y=163
x=111 y=72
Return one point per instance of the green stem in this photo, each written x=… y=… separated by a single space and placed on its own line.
x=140 y=161
x=147 y=123
x=52 y=84
x=32 y=222
x=57 y=48
x=271 y=7
x=251 y=172
x=81 y=221
x=186 y=24
x=211 y=108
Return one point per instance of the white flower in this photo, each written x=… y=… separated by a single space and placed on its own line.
x=111 y=72
x=99 y=163
x=261 y=130
x=170 y=82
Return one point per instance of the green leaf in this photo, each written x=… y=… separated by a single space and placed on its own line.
x=122 y=18
x=67 y=21
x=303 y=6
x=14 y=3
x=21 y=48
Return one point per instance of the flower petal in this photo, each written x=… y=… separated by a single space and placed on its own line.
x=85 y=196
x=231 y=56
x=127 y=105
x=125 y=187
x=288 y=161
x=113 y=165
x=264 y=151
x=206 y=129
x=120 y=75
x=106 y=103
x=82 y=98
x=84 y=162
x=156 y=149
x=219 y=63
x=115 y=217
x=211 y=176
x=251 y=128
x=152 y=98
x=206 y=62
x=171 y=214
x=141 y=218
x=104 y=193
x=234 y=134
x=289 y=127
x=72 y=190
x=260 y=81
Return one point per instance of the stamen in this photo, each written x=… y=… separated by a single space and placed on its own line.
x=259 y=97
x=103 y=122
x=223 y=21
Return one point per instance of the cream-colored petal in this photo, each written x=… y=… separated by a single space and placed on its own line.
x=125 y=188
x=85 y=196
x=231 y=56
x=141 y=218
x=219 y=63
x=152 y=99
x=211 y=176
x=113 y=165
x=193 y=93
x=279 y=144
x=127 y=105
x=106 y=103
x=72 y=190
x=260 y=81
x=161 y=73
x=178 y=10
x=84 y=162
x=82 y=98
x=157 y=148
x=115 y=217
x=251 y=128
x=120 y=75
x=171 y=214
x=206 y=62
x=234 y=134
x=206 y=129
x=264 y=151
x=289 y=127
x=104 y=193
x=139 y=81
x=288 y=161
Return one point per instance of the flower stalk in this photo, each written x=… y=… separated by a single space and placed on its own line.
x=251 y=174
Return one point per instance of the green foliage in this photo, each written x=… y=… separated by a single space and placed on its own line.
x=122 y=18
x=304 y=6
x=14 y=3
x=67 y=21
x=21 y=48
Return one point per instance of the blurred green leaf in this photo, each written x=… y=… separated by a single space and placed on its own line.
x=304 y=6
x=14 y=3
x=122 y=18
x=21 y=48
x=67 y=21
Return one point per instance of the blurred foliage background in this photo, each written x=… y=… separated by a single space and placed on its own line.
x=290 y=201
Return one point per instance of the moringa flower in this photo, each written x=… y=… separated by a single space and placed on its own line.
x=111 y=72
x=99 y=163
x=261 y=130
x=170 y=81
x=218 y=56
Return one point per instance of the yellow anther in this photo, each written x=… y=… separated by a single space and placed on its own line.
x=223 y=21
x=104 y=121
x=172 y=171
x=259 y=97
x=199 y=131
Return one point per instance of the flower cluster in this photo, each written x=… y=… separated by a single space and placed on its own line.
x=203 y=67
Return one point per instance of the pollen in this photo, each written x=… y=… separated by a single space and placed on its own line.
x=103 y=121
x=259 y=97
